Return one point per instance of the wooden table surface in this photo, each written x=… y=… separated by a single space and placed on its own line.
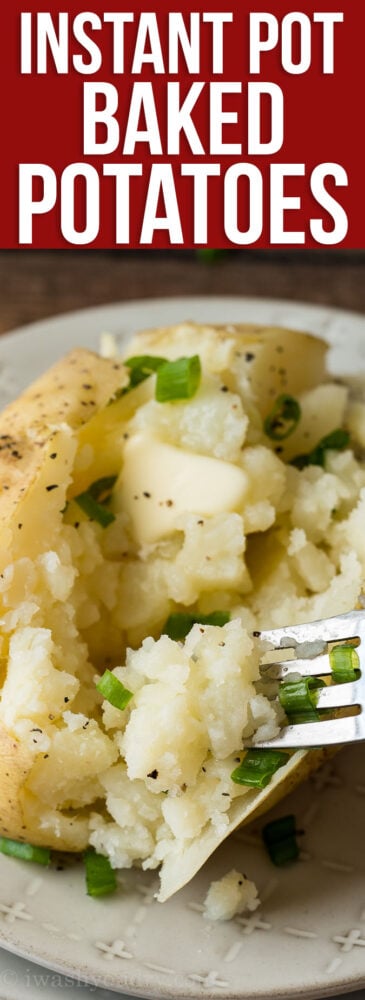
x=35 y=284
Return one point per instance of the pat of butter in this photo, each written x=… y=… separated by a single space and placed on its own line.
x=159 y=482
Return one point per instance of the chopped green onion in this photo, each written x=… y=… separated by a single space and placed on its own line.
x=209 y=255
x=279 y=838
x=27 y=852
x=94 y=510
x=141 y=367
x=258 y=766
x=179 y=625
x=283 y=418
x=337 y=440
x=178 y=379
x=93 y=499
x=113 y=690
x=299 y=698
x=345 y=664
x=100 y=877
x=101 y=489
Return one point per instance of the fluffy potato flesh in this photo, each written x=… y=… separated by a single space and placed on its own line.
x=207 y=515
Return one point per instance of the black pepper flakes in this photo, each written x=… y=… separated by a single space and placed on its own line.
x=54 y=454
x=153 y=774
x=53 y=486
x=146 y=494
x=249 y=356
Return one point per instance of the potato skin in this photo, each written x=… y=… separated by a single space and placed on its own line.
x=69 y=393
x=273 y=359
x=15 y=764
x=181 y=866
x=66 y=396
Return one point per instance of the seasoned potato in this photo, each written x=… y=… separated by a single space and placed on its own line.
x=200 y=510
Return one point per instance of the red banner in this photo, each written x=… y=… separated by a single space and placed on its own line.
x=204 y=127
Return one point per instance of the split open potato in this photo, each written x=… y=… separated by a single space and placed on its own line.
x=193 y=506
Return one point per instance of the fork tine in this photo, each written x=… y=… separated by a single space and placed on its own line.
x=316 y=734
x=345 y=626
x=339 y=695
x=318 y=666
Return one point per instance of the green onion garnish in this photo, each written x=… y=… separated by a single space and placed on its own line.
x=283 y=418
x=279 y=838
x=178 y=379
x=113 y=690
x=337 y=440
x=345 y=664
x=258 y=766
x=93 y=499
x=299 y=698
x=209 y=255
x=141 y=367
x=100 y=877
x=27 y=852
x=101 y=489
x=178 y=625
x=94 y=510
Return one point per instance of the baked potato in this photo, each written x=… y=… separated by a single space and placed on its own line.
x=204 y=512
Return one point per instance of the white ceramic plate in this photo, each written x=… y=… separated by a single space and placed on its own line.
x=308 y=937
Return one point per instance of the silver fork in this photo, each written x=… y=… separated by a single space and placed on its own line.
x=311 y=644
